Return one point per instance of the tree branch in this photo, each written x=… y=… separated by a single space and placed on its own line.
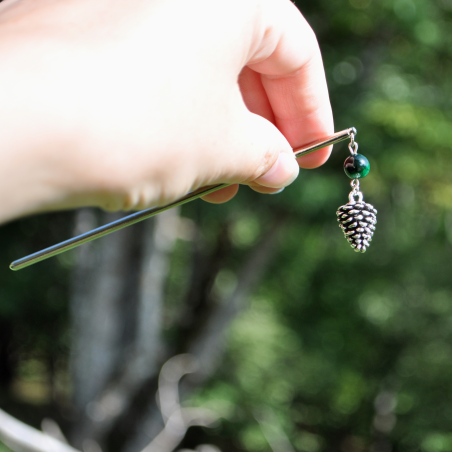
x=210 y=341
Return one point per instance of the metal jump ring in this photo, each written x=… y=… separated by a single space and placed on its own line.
x=355 y=184
x=353 y=147
x=351 y=197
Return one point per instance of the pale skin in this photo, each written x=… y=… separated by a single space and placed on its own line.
x=125 y=105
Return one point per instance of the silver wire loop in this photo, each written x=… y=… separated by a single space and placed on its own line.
x=355 y=192
x=353 y=145
x=355 y=185
x=352 y=195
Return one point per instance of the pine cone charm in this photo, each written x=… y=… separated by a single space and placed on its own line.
x=357 y=220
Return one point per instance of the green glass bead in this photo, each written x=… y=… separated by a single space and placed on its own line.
x=356 y=166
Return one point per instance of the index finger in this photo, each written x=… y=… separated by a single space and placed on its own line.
x=290 y=65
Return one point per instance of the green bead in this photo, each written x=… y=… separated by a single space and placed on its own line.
x=356 y=166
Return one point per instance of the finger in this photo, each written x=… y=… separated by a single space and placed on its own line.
x=289 y=62
x=223 y=195
x=264 y=190
x=256 y=101
x=254 y=95
x=256 y=151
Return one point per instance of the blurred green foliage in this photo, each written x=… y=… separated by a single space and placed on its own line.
x=337 y=351
x=354 y=352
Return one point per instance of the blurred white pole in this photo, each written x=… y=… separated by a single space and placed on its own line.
x=177 y=420
x=21 y=437
x=51 y=428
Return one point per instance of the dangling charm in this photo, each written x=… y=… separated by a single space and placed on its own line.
x=357 y=219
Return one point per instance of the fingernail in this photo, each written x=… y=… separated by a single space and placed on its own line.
x=284 y=171
x=276 y=192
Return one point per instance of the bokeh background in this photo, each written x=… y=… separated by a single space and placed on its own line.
x=299 y=343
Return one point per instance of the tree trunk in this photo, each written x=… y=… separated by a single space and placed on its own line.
x=116 y=312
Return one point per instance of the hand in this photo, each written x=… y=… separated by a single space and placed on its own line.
x=125 y=105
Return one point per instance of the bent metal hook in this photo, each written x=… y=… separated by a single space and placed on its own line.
x=148 y=213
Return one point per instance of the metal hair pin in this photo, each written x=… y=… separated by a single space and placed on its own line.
x=148 y=213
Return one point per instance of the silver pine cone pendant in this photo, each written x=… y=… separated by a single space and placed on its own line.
x=357 y=219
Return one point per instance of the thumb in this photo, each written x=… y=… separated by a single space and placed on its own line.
x=258 y=155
